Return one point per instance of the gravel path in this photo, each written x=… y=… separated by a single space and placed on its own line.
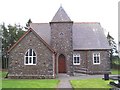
x=64 y=82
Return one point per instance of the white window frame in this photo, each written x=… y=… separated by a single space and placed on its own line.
x=30 y=57
x=96 y=55
x=76 y=55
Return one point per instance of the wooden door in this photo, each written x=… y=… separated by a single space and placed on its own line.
x=61 y=64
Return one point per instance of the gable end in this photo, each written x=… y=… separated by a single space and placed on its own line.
x=31 y=30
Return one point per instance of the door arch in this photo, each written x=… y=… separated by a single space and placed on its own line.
x=61 y=64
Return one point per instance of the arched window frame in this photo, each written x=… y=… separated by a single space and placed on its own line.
x=28 y=59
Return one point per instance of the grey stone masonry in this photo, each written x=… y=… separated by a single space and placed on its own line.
x=42 y=69
x=86 y=62
x=55 y=44
x=61 y=41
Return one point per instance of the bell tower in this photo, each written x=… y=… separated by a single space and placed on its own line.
x=61 y=38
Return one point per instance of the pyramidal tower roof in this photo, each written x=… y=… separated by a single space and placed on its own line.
x=61 y=16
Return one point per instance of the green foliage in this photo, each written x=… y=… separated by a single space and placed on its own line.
x=112 y=43
x=113 y=46
x=115 y=60
x=3 y=74
x=90 y=83
x=11 y=34
x=28 y=24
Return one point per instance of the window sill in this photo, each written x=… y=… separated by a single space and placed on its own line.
x=76 y=64
x=96 y=63
x=29 y=64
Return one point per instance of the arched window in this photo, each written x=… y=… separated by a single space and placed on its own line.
x=30 y=57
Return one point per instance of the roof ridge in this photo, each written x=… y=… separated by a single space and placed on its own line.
x=40 y=23
x=87 y=22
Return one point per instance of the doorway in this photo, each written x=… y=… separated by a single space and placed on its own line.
x=61 y=64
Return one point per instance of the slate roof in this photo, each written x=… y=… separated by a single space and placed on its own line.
x=86 y=35
x=61 y=16
x=43 y=30
x=89 y=35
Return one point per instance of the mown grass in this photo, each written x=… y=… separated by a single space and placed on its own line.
x=115 y=71
x=46 y=83
x=90 y=83
x=27 y=83
x=52 y=83
x=4 y=74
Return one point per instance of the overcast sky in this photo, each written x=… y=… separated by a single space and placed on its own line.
x=103 y=11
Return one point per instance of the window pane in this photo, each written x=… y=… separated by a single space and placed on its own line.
x=97 y=59
x=26 y=60
x=74 y=59
x=30 y=52
x=94 y=58
x=27 y=54
x=78 y=60
x=34 y=53
x=94 y=61
x=34 y=60
x=30 y=60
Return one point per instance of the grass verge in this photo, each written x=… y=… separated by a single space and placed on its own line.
x=90 y=83
x=27 y=83
x=115 y=71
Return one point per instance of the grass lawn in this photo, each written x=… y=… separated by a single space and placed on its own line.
x=3 y=74
x=90 y=83
x=114 y=71
x=27 y=83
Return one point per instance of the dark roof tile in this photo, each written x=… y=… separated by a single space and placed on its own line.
x=86 y=35
x=61 y=16
x=89 y=36
x=43 y=30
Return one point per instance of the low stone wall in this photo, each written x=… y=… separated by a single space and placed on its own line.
x=31 y=77
x=98 y=72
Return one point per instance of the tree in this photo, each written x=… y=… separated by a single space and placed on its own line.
x=113 y=46
x=4 y=45
x=1 y=46
x=11 y=34
x=28 y=24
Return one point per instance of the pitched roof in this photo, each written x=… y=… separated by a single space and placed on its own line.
x=86 y=35
x=89 y=36
x=43 y=30
x=61 y=16
x=38 y=36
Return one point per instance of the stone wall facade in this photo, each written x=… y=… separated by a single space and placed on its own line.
x=47 y=61
x=44 y=67
x=86 y=63
x=61 y=42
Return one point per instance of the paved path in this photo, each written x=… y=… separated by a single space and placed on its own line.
x=64 y=82
x=65 y=79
